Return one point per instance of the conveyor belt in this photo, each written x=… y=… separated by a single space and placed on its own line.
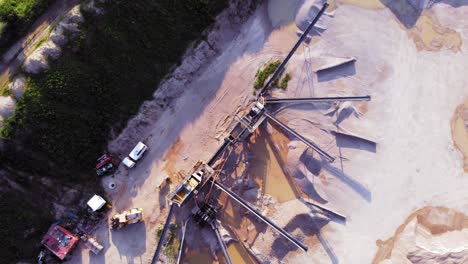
x=221 y=242
x=163 y=234
x=316 y=99
x=218 y=153
x=303 y=139
x=257 y=213
x=182 y=240
x=298 y=43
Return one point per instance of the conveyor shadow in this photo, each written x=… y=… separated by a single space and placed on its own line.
x=341 y=71
x=406 y=13
x=281 y=246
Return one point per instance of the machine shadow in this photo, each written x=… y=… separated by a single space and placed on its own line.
x=340 y=174
x=281 y=246
x=136 y=233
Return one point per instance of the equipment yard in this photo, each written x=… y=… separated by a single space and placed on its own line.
x=353 y=162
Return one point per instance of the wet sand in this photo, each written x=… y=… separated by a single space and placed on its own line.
x=266 y=169
x=459 y=126
x=428 y=34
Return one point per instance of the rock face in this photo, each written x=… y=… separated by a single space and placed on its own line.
x=421 y=256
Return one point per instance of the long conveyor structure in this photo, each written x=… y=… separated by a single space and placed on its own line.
x=303 y=139
x=162 y=238
x=223 y=246
x=218 y=153
x=182 y=240
x=257 y=213
x=280 y=68
x=317 y=99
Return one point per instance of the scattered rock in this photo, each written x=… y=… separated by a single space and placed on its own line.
x=17 y=86
x=36 y=62
x=7 y=106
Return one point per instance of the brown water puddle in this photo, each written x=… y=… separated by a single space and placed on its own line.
x=366 y=4
x=236 y=251
x=459 y=126
x=428 y=34
x=265 y=168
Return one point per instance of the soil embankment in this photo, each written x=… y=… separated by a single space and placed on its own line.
x=431 y=235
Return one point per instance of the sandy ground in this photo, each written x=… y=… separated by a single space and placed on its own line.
x=412 y=64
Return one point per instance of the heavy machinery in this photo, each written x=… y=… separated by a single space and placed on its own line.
x=199 y=172
x=132 y=216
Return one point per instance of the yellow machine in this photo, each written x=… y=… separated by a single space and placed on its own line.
x=132 y=216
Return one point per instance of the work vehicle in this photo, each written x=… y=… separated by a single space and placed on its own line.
x=136 y=154
x=132 y=216
x=91 y=244
x=105 y=165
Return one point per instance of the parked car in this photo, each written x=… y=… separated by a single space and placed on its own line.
x=135 y=155
x=105 y=165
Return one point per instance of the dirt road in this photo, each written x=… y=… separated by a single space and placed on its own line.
x=13 y=58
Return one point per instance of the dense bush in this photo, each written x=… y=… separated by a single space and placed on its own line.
x=16 y=16
x=102 y=79
x=264 y=73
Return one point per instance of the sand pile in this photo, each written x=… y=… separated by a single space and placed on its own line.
x=7 y=106
x=429 y=235
x=307 y=12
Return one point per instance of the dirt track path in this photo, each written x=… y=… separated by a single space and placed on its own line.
x=13 y=58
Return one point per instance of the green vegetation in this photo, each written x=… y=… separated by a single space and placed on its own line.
x=264 y=73
x=23 y=221
x=62 y=123
x=100 y=81
x=16 y=16
x=172 y=243
x=284 y=82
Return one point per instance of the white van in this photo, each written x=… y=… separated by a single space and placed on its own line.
x=135 y=155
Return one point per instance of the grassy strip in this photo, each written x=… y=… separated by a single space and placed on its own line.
x=100 y=81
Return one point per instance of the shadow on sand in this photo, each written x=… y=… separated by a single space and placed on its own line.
x=281 y=246
x=346 y=141
x=406 y=13
x=130 y=242
x=345 y=70
x=317 y=165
